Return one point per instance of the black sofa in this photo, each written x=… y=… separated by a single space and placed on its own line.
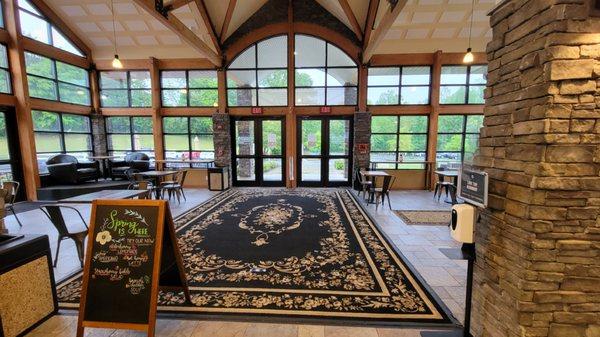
x=66 y=169
x=134 y=160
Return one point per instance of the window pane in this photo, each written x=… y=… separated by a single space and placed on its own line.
x=338 y=169
x=478 y=74
x=413 y=124
x=177 y=154
x=72 y=74
x=39 y=65
x=201 y=125
x=416 y=75
x=476 y=94
x=113 y=79
x=42 y=88
x=5 y=82
x=202 y=143
x=310 y=96
x=244 y=134
x=203 y=79
x=26 y=5
x=339 y=133
x=77 y=142
x=272 y=97
x=3 y=55
x=383 y=142
x=200 y=97
x=175 y=124
x=384 y=157
x=45 y=121
x=384 y=76
x=474 y=123
x=174 y=97
x=241 y=97
x=241 y=79
x=450 y=123
x=272 y=53
x=142 y=124
x=311 y=137
x=60 y=42
x=384 y=124
x=272 y=169
x=342 y=96
x=75 y=123
x=47 y=142
x=143 y=142
x=245 y=169
x=271 y=137
x=245 y=60
x=310 y=77
x=119 y=142
x=445 y=157
x=412 y=142
x=141 y=98
x=341 y=77
x=73 y=94
x=412 y=157
x=452 y=95
x=177 y=142
x=382 y=95
x=34 y=27
x=454 y=75
x=451 y=142
x=114 y=98
x=414 y=95
x=117 y=125
x=471 y=143
x=337 y=58
x=139 y=80
x=309 y=51
x=173 y=79
x=272 y=78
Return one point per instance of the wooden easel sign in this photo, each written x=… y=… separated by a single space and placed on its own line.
x=131 y=252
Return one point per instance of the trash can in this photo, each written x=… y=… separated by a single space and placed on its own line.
x=218 y=178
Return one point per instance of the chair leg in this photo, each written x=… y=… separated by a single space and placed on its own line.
x=183 y=194
x=389 y=202
x=435 y=190
x=57 y=251
x=79 y=246
x=176 y=191
x=12 y=209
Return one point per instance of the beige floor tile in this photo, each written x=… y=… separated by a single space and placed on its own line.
x=311 y=331
x=343 y=331
x=383 y=332
x=271 y=330
x=220 y=329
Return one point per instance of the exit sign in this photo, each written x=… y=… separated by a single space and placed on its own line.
x=257 y=110
x=325 y=110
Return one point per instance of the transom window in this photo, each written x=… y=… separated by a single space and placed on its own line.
x=258 y=75
x=122 y=89
x=189 y=88
x=129 y=134
x=399 y=85
x=458 y=137
x=56 y=81
x=396 y=139
x=324 y=74
x=35 y=26
x=5 y=86
x=188 y=138
x=463 y=84
x=61 y=133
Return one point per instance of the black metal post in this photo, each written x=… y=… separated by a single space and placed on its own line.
x=468 y=251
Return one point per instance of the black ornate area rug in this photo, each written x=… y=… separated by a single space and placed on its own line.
x=303 y=253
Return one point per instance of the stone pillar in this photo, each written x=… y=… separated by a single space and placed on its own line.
x=222 y=139
x=362 y=140
x=98 y=134
x=538 y=244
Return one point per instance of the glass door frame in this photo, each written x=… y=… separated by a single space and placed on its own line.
x=15 y=163
x=258 y=155
x=324 y=156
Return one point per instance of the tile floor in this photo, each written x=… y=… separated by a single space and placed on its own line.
x=419 y=244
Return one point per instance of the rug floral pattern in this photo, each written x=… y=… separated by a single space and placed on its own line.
x=302 y=252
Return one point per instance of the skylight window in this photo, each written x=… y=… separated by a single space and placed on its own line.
x=35 y=26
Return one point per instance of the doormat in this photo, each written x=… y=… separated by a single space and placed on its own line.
x=425 y=218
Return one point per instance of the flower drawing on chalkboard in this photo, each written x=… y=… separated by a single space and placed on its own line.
x=103 y=237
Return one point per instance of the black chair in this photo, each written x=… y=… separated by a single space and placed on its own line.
x=134 y=160
x=364 y=184
x=175 y=186
x=11 y=188
x=64 y=168
x=54 y=213
x=443 y=185
x=383 y=192
x=137 y=182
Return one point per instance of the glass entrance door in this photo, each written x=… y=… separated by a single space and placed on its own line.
x=258 y=153
x=324 y=147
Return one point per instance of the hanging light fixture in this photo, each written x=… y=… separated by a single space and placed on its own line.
x=468 y=59
x=116 y=63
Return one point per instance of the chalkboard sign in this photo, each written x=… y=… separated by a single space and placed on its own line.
x=131 y=252
x=473 y=186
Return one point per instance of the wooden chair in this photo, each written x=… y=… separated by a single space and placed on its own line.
x=55 y=214
x=383 y=192
x=175 y=186
x=12 y=188
x=365 y=184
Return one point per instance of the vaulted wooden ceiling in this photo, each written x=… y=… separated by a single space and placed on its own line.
x=420 y=25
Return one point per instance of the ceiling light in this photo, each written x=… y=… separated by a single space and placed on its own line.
x=116 y=63
x=468 y=59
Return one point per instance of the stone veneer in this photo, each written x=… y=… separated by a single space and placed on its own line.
x=362 y=135
x=538 y=266
x=98 y=134
x=222 y=139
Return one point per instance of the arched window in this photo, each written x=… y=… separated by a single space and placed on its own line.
x=325 y=75
x=258 y=75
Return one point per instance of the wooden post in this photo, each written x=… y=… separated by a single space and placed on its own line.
x=362 y=88
x=157 y=125
x=435 y=112
x=222 y=90
x=16 y=59
x=290 y=118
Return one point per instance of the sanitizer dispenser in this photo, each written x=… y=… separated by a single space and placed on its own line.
x=462 y=224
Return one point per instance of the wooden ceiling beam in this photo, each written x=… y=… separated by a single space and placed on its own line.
x=175 y=4
x=208 y=24
x=352 y=18
x=371 y=16
x=384 y=26
x=227 y=20
x=180 y=29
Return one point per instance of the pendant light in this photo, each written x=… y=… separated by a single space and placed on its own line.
x=116 y=63
x=468 y=59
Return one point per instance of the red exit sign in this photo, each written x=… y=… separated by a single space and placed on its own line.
x=325 y=110
x=257 y=110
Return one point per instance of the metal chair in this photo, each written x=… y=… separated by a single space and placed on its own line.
x=363 y=182
x=443 y=185
x=383 y=192
x=12 y=188
x=54 y=213
x=175 y=186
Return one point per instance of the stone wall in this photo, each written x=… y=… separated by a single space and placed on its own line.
x=538 y=244
x=222 y=139
x=98 y=134
x=362 y=135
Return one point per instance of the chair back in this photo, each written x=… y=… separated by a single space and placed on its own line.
x=54 y=213
x=12 y=188
x=131 y=175
x=388 y=182
x=181 y=177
